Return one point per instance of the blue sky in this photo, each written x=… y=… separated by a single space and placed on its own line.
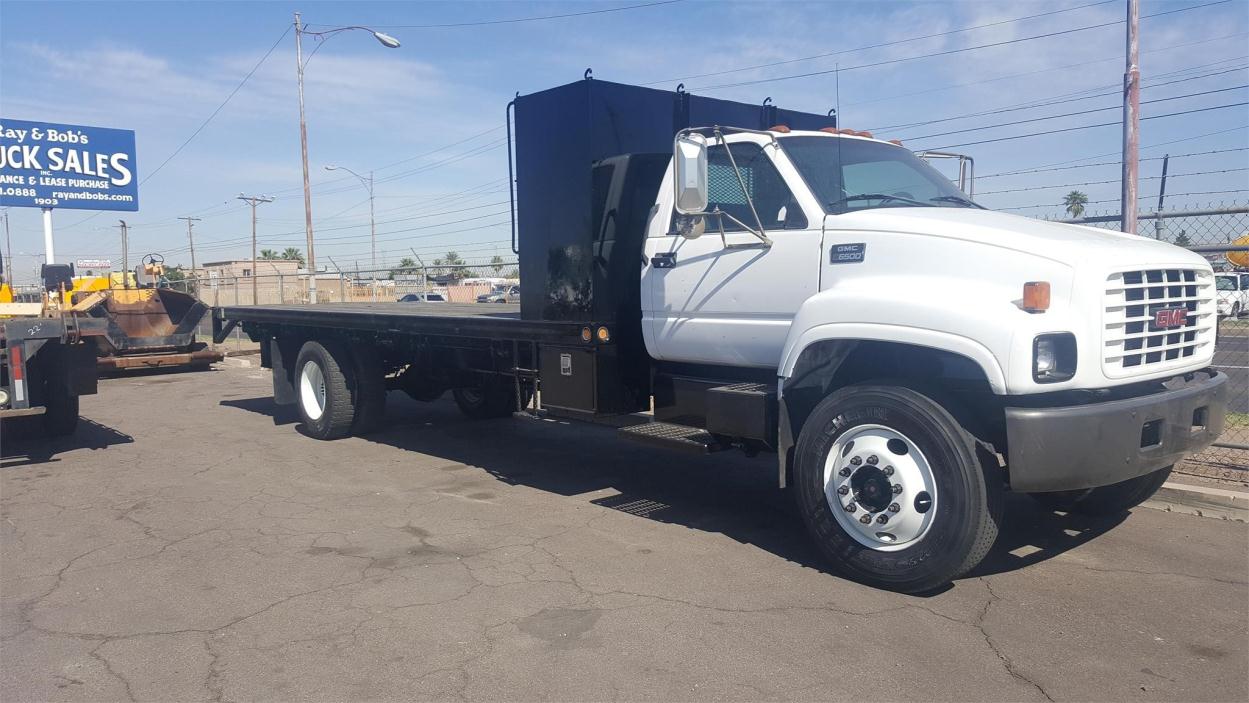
x=429 y=115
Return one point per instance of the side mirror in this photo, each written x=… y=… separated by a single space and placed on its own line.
x=689 y=162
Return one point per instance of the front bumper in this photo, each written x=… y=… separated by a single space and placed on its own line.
x=1097 y=444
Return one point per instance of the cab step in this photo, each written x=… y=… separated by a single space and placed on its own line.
x=694 y=440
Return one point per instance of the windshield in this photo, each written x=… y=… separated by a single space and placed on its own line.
x=871 y=175
x=1224 y=283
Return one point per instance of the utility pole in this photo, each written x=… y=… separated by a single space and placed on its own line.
x=8 y=251
x=1162 y=193
x=1131 y=123
x=191 y=240
x=303 y=154
x=125 y=255
x=254 y=200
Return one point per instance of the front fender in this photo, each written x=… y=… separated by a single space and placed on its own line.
x=973 y=328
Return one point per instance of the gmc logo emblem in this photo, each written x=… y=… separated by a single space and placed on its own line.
x=1167 y=318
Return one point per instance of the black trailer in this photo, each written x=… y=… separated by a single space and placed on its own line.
x=46 y=363
x=589 y=160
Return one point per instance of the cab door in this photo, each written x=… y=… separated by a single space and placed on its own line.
x=730 y=300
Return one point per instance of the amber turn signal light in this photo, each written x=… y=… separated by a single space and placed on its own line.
x=604 y=335
x=586 y=335
x=1036 y=296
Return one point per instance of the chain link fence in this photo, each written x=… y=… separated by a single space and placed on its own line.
x=1213 y=232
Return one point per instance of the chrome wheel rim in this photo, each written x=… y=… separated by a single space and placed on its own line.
x=312 y=390
x=880 y=488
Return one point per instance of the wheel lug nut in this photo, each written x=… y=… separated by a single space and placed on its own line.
x=897 y=489
x=882 y=519
x=865 y=518
x=851 y=507
x=855 y=461
x=888 y=470
x=894 y=507
x=845 y=471
x=873 y=460
x=843 y=490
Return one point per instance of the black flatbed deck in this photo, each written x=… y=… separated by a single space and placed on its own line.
x=474 y=320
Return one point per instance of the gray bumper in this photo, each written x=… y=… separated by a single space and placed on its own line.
x=1086 y=446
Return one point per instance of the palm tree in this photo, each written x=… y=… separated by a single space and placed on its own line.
x=451 y=261
x=268 y=254
x=293 y=254
x=496 y=263
x=1075 y=202
x=406 y=265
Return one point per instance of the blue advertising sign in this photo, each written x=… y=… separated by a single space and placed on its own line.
x=49 y=165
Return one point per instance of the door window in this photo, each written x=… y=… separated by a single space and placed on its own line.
x=775 y=203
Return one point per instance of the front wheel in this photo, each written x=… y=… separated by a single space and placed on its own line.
x=895 y=492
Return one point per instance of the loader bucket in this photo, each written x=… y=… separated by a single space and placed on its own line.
x=147 y=321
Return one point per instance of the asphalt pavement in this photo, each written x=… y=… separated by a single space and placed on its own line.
x=190 y=544
x=1231 y=356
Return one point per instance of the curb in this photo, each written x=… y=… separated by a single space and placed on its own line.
x=238 y=362
x=1202 y=501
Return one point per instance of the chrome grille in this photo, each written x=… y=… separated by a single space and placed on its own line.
x=1133 y=344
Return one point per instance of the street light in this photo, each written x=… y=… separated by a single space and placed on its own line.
x=368 y=184
x=387 y=41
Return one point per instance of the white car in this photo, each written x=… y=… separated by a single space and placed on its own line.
x=1233 y=294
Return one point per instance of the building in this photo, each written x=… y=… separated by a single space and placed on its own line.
x=243 y=268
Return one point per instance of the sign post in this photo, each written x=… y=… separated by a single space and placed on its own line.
x=49 y=165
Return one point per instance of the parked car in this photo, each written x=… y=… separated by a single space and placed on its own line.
x=423 y=298
x=1233 y=294
x=502 y=294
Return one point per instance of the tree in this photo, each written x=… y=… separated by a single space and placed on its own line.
x=406 y=265
x=496 y=263
x=179 y=281
x=1075 y=202
x=1182 y=240
x=268 y=254
x=452 y=261
x=293 y=254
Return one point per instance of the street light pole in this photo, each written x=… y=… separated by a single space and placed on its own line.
x=368 y=184
x=254 y=200
x=387 y=41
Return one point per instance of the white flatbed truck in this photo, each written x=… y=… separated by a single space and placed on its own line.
x=784 y=287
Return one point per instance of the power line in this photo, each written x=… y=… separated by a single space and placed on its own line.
x=1080 y=112
x=1046 y=103
x=1143 y=197
x=949 y=52
x=876 y=46
x=1113 y=180
x=1081 y=64
x=518 y=20
x=1105 y=163
x=1089 y=126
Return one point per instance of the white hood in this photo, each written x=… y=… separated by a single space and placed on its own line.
x=1074 y=245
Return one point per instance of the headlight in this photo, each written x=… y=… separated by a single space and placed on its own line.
x=4 y=397
x=1054 y=357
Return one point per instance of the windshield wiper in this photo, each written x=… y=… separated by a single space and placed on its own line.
x=958 y=199
x=876 y=196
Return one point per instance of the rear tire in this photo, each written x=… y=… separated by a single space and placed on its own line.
x=370 y=389
x=60 y=415
x=1104 y=501
x=324 y=382
x=942 y=517
x=492 y=399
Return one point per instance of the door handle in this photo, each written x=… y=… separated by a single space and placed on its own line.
x=665 y=260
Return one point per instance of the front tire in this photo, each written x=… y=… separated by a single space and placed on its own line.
x=875 y=451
